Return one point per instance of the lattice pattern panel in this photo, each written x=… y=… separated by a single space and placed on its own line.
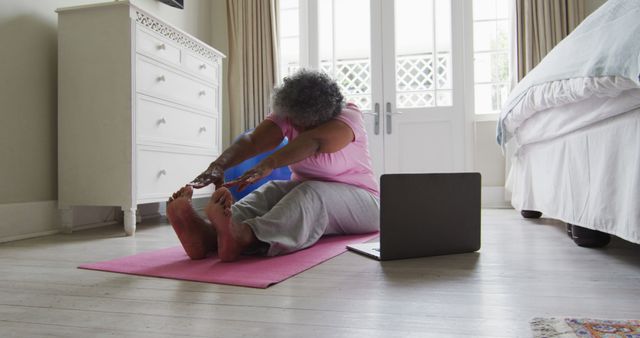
x=325 y=66
x=442 y=71
x=416 y=99
x=363 y=101
x=354 y=78
x=418 y=80
x=414 y=72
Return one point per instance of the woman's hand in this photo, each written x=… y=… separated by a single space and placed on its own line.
x=213 y=175
x=262 y=170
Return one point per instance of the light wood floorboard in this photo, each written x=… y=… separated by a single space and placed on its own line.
x=525 y=269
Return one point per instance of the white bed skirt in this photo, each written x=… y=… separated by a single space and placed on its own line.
x=590 y=177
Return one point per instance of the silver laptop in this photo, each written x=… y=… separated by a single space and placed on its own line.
x=426 y=215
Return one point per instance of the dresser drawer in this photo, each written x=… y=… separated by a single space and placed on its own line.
x=161 y=173
x=201 y=67
x=161 y=123
x=155 y=47
x=162 y=82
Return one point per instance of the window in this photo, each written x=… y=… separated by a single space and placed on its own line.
x=423 y=53
x=344 y=47
x=289 y=37
x=491 y=44
x=344 y=56
x=423 y=56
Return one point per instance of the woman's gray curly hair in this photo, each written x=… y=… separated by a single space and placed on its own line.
x=307 y=98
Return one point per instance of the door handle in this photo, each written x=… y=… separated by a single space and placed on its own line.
x=388 y=113
x=376 y=118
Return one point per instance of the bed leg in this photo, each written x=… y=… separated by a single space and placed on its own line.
x=530 y=214
x=589 y=238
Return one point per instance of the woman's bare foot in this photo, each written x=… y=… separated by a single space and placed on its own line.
x=196 y=235
x=233 y=239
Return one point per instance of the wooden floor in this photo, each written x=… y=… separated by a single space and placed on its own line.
x=525 y=269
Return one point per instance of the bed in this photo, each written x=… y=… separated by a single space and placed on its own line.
x=571 y=130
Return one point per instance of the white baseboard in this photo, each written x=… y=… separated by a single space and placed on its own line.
x=200 y=203
x=493 y=197
x=95 y=225
x=26 y=220
x=35 y=219
x=5 y=239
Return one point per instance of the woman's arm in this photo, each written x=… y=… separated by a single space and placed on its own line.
x=265 y=137
x=329 y=137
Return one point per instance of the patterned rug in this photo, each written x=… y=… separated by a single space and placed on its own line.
x=584 y=328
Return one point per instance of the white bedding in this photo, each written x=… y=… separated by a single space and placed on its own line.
x=574 y=122
x=590 y=177
x=599 y=59
x=561 y=120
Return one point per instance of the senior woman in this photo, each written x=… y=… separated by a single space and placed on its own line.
x=332 y=189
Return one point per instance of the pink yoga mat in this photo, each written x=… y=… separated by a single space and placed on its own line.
x=252 y=271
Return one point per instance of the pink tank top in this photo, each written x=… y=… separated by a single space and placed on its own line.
x=350 y=165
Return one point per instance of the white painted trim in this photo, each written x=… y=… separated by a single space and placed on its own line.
x=27 y=236
x=308 y=37
x=468 y=84
x=199 y=203
x=27 y=220
x=493 y=197
x=313 y=54
x=486 y=117
x=303 y=34
x=376 y=140
x=36 y=219
x=95 y=225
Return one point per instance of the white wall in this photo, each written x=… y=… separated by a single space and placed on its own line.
x=28 y=107
x=488 y=157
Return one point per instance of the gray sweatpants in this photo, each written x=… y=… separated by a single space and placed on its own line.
x=292 y=215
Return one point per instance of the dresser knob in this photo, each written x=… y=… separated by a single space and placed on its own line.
x=161 y=78
x=162 y=120
x=203 y=129
x=162 y=46
x=162 y=172
x=202 y=93
x=203 y=66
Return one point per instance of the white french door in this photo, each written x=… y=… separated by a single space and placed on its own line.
x=401 y=61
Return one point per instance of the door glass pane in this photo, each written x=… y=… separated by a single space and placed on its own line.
x=289 y=37
x=344 y=47
x=491 y=44
x=423 y=53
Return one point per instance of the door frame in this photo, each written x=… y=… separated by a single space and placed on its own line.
x=454 y=114
x=462 y=52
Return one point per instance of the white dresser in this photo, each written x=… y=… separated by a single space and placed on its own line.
x=139 y=108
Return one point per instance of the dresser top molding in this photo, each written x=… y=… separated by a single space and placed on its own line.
x=157 y=25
